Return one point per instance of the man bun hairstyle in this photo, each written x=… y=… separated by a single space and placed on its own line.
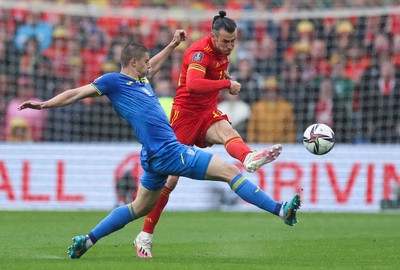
x=221 y=21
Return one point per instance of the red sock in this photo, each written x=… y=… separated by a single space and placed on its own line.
x=153 y=217
x=237 y=148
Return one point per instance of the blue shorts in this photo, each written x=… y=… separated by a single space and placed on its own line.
x=174 y=159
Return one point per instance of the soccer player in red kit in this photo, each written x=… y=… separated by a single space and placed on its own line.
x=195 y=117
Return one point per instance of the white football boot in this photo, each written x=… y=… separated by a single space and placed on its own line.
x=258 y=158
x=144 y=245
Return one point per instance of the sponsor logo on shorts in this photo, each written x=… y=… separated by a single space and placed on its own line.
x=190 y=152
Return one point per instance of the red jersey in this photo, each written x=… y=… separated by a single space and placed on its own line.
x=202 y=76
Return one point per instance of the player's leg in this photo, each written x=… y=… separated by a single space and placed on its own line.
x=199 y=164
x=220 y=170
x=186 y=126
x=221 y=132
x=144 y=240
x=152 y=218
x=117 y=219
x=186 y=132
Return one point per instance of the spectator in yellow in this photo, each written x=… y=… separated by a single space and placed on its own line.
x=272 y=118
x=19 y=131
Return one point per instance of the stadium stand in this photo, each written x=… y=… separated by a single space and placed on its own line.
x=336 y=62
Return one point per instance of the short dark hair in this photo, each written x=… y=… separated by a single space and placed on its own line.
x=132 y=50
x=221 y=21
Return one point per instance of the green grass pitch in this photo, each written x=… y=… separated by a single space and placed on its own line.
x=206 y=240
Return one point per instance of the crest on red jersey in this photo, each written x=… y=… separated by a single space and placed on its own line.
x=198 y=56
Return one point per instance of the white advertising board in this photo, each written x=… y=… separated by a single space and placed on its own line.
x=54 y=176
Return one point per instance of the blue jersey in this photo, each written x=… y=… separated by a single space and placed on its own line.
x=135 y=101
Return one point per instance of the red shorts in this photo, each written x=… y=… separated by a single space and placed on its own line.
x=191 y=127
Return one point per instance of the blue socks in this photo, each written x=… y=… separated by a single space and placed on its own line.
x=254 y=195
x=117 y=219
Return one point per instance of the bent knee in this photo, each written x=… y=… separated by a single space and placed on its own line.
x=233 y=169
x=231 y=172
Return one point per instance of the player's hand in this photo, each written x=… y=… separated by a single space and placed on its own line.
x=31 y=105
x=179 y=36
x=235 y=88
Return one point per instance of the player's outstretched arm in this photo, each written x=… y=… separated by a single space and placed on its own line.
x=157 y=61
x=65 y=98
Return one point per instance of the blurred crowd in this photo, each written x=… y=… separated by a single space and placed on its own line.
x=289 y=5
x=343 y=72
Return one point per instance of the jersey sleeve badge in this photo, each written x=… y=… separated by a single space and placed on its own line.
x=198 y=57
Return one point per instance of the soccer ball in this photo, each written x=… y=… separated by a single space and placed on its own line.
x=319 y=139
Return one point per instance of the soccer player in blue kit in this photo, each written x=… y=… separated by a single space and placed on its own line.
x=134 y=99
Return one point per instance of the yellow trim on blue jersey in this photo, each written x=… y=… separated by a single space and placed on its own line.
x=238 y=182
x=135 y=78
x=144 y=79
x=182 y=159
x=97 y=89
